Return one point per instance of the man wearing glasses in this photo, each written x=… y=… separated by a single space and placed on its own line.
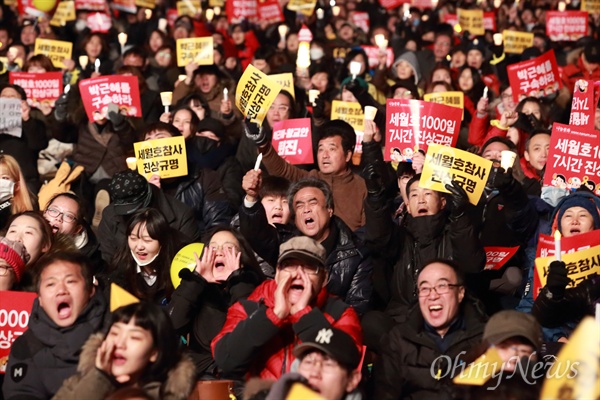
x=260 y=333
x=418 y=357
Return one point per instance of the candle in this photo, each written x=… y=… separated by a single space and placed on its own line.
x=209 y=14
x=258 y=161
x=320 y=13
x=381 y=41
x=485 y=92
x=562 y=6
x=497 y=3
x=283 y=30
x=148 y=13
x=182 y=77
x=217 y=10
x=303 y=60
x=355 y=68
x=335 y=10
x=332 y=3
x=122 y=38
x=166 y=98
x=557 y=237
x=225 y=94
x=312 y=96
x=498 y=39
x=131 y=163
x=162 y=25
x=83 y=61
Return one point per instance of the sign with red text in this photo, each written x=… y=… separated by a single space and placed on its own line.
x=238 y=10
x=489 y=21
x=292 y=140
x=361 y=20
x=373 y=56
x=566 y=25
x=537 y=77
x=90 y=5
x=40 y=88
x=391 y=4
x=15 y=309
x=414 y=124
x=99 y=22
x=269 y=11
x=573 y=158
x=453 y=99
x=581 y=265
x=121 y=90
x=583 y=105
x=568 y=244
x=496 y=256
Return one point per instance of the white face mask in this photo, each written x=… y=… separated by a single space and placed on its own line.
x=146 y=262
x=7 y=190
x=316 y=53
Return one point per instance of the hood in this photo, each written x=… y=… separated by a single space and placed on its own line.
x=411 y=58
x=568 y=201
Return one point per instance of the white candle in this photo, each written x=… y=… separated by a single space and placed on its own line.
x=148 y=13
x=355 y=67
x=303 y=60
x=557 y=237
x=225 y=94
x=162 y=25
x=258 y=161
x=562 y=6
x=485 y=92
x=122 y=38
x=498 y=39
x=283 y=30
x=83 y=61
x=209 y=14
x=380 y=41
x=320 y=13
x=335 y=10
x=217 y=10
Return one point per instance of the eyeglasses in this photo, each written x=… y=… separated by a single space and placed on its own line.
x=4 y=270
x=280 y=108
x=326 y=363
x=440 y=288
x=66 y=217
x=289 y=267
x=226 y=247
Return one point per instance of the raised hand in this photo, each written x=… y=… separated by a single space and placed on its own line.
x=251 y=184
x=306 y=295
x=204 y=266
x=282 y=307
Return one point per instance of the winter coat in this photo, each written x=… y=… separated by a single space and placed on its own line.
x=46 y=354
x=405 y=249
x=573 y=72
x=254 y=341
x=200 y=309
x=348 y=261
x=410 y=358
x=92 y=384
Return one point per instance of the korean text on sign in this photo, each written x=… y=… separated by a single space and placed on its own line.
x=270 y=11
x=443 y=164
x=11 y=117
x=64 y=12
x=454 y=99
x=566 y=25
x=163 y=157
x=238 y=10
x=349 y=111
x=471 y=20
x=537 y=77
x=15 y=309
x=516 y=42
x=198 y=50
x=292 y=140
x=305 y=7
x=582 y=106
x=40 y=88
x=286 y=81
x=373 y=54
x=581 y=265
x=56 y=50
x=255 y=93
x=496 y=257
x=568 y=244
x=98 y=93
x=573 y=158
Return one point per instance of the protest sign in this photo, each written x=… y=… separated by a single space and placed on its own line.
x=573 y=158
x=37 y=8
x=11 y=117
x=255 y=93
x=199 y=50
x=536 y=77
x=99 y=22
x=361 y=20
x=64 y=13
x=471 y=20
x=127 y=6
x=373 y=54
x=391 y=4
x=216 y=3
x=90 y=5
x=414 y=124
x=56 y=50
x=163 y=157
x=349 y=111
x=489 y=21
x=151 y=4
x=581 y=265
x=121 y=90
x=40 y=88
x=566 y=25
x=568 y=244
x=305 y=7
x=453 y=99
x=238 y=10
x=496 y=256
x=286 y=80
x=424 y=4
x=591 y=6
x=293 y=141
x=516 y=42
x=583 y=105
x=15 y=309
x=188 y=7
x=269 y=11
x=443 y=164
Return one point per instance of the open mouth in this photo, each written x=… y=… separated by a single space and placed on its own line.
x=142 y=256
x=422 y=211
x=277 y=217
x=118 y=359
x=575 y=231
x=435 y=310
x=54 y=229
x=309 y=222
x=296 y=289
x=219 y=264
x=64 y=310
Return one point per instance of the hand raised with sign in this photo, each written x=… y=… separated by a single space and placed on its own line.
x=458 y=199
x=256 y=133
x=557 y=279
x=418 y=160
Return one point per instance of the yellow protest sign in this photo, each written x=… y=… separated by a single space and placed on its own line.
x=443 y=164
x=163 y=157
x=216 y=3
x=306 y=7
x=120 y=297
x=286 y=81
x=188 y=7
x=349 y=111
x=198 y=50
x=185 y=259
x=471 y=20
x=453 y=99
x=56 y=50
x=146 y=4
x=10 y=2
x=480 y=370
x=580 y=265
x=574 y=374
x=64 y=12
x=516 y=42
x=298 y=391
x=255 y=93
x=591 y=6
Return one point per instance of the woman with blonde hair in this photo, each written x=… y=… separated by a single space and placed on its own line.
x=14 y=195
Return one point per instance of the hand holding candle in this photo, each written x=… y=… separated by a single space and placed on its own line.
x=355 y=67
x=225 y=94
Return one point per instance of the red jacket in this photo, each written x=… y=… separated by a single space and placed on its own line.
x=261 y=344
x=573 y=72
x=480 y=131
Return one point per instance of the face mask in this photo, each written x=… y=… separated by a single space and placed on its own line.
x=204 y=144
x=143 y=263
x=7 y=189
x=316 y=53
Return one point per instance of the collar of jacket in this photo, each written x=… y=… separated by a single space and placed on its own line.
x=346 y=177
x=426 y=228
x=345 y=246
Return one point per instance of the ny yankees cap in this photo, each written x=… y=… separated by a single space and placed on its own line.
x=334 y=342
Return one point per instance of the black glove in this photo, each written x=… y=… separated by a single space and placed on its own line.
x=372 y=179
x=503 y=180
x=458 y=199
x=60 y=108
x=557 y=279
x=118 y=120
x=356 y=89
x=319 y=107
x=258 y=134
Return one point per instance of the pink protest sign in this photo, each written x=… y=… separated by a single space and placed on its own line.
x=292 y=140
x=269 y=11
x=373 y=53
x=583 y=105
x=40 y=88
x=98 y=93
x=566 y=25
x=536 y=77
x=15 y=309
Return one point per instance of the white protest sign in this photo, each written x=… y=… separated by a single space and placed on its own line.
x=11 y=118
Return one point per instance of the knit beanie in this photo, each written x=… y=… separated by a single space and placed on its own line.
x=15 y=254
x=579 y=201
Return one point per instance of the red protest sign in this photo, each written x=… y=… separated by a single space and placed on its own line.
x=573 y=158
x=361 y=20
x=292 y=140
x=238 y=10
x=496 y=256
x=270 y=12
x=413 y=124
x=583 y=106
x=90 y=5
x=15 y=309
x=391 y=4
x=37 y=8
x=566 y=25
x=423 y=4
x=99 y=22
x=98 y=93
x=40 y=88
x=373 y=53
x=537 y=77
x=127 y=6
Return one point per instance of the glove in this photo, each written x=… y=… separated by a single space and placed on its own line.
x=319 y=107
x=458 y=199
x=356 y=88
x=258 y=134
x=557 y=279
x=60 y=108
x=503 y=180
x=372 y=179
x=118 y=120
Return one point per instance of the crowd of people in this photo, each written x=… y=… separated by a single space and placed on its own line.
x=346 y=276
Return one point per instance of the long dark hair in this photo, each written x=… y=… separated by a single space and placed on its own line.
x=476 y=91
